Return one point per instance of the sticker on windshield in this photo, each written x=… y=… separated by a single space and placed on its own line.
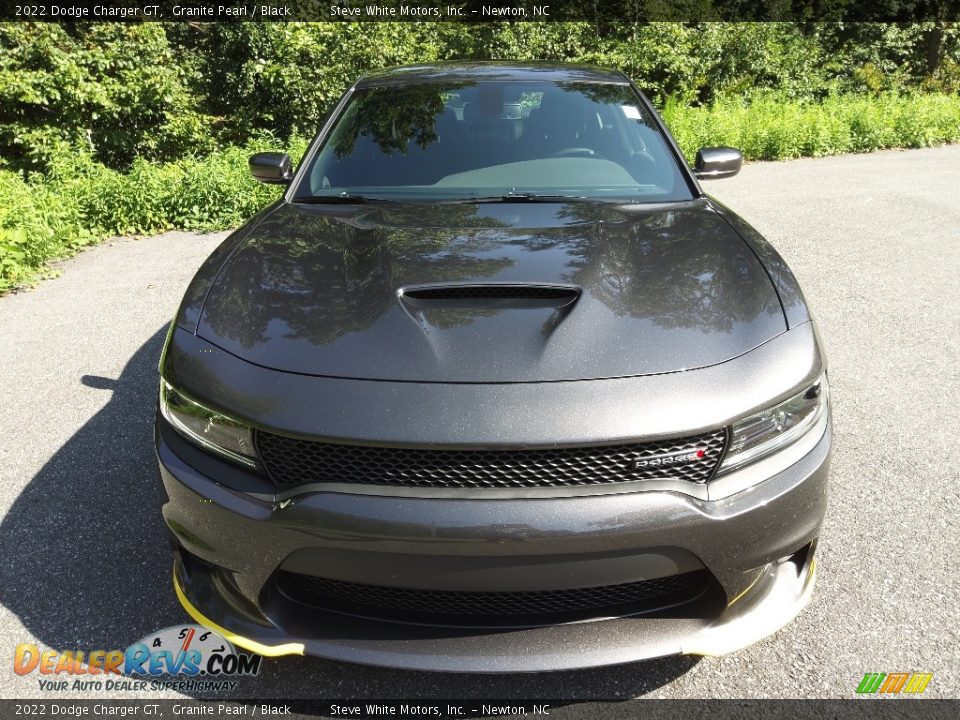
x=631 y=111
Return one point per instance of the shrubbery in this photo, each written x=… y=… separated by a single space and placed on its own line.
x=116 y=91
x=36 y=224
x=109 y=129
x=771 y=129
x=80 y=201
x=161 y=91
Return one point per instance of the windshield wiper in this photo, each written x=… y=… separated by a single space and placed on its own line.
x=343 y=198
x=346 y=198
x=522 y=197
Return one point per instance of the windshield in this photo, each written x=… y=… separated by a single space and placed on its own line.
x=494 y=140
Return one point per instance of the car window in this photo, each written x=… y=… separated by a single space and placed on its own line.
x=467 y=140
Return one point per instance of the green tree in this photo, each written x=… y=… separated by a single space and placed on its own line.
x=112 y=90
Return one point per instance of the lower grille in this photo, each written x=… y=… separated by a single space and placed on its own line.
x=292 y=462
x=523 y=607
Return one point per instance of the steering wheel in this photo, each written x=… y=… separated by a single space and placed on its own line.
x=572 y=151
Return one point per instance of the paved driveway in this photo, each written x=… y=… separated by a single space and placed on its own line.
x=875 y=240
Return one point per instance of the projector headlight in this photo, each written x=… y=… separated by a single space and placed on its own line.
x=766 y=432
x=207 y=428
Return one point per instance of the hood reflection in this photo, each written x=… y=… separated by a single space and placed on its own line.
x=315 y=290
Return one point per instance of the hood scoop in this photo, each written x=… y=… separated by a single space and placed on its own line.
x=479 y=315
x=490 y=295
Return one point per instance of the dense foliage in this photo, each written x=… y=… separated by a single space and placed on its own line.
x=159 y=91
x=80 y=201
x=770 y=129
x=115 y=91
x=134 y=128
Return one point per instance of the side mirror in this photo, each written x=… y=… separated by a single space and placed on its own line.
x=717 y=162
x=272 y=168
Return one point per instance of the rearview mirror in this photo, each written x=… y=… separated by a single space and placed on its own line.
x=715 y=163
x=272 y=168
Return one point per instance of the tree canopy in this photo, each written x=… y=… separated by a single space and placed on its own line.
x=165 y=91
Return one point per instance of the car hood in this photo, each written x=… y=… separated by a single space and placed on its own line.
x=569 y=291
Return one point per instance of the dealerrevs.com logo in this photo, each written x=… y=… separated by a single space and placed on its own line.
x=181 y=657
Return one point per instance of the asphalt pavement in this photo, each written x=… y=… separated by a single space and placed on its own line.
x=875 y=242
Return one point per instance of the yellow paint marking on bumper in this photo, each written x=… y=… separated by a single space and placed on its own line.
x=238 y=640
x=723 y=639
x=748 y=588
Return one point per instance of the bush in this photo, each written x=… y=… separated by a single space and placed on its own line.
x=36 y=224
x=769 y=128
x=284 y=77
x=115 y=91
x=80 y=201
x=161 y=91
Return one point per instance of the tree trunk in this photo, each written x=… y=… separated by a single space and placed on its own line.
x=934 y=46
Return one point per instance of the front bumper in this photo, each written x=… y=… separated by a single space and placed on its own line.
x=757 y=544
x=780 y=591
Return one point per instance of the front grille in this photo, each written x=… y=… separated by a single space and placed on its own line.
x=445 y=606
x=292 y=462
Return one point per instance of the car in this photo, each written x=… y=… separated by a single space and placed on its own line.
x=494 y=390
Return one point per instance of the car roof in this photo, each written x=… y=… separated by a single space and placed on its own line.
x=491 y=70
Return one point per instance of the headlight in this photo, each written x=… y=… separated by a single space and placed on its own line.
x=766 y=432
x=206 y=427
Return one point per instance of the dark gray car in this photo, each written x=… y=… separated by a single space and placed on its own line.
x=494 y=386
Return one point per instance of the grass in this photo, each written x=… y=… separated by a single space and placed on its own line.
x=79 y=202
x=771 y=129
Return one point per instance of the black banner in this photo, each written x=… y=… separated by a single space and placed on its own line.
x=415 y=709
x=598 y=11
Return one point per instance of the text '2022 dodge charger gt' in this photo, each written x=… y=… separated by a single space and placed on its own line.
x=494 y=387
